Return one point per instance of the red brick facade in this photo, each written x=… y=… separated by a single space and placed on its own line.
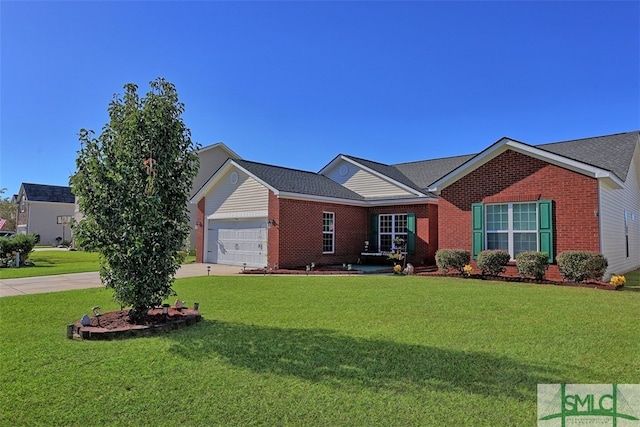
x=515 y=177
x=295 y=239
x=426 y=229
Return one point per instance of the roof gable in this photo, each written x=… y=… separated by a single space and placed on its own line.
x=295 y=181
x=48 y=193
x=388 y=171
x=384 y=181
x=591 y=156
x=221 y=145
x=283 y=181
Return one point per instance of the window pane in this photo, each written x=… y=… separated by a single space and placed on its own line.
x=385 y=242
x=327 y=221
x=524 y=216
x=498 y=241
x=401 y=224
x=524 y=242
x=497 y=217
x=327 y=232
x=402 y=236
x=385 y=224
x=327 y=243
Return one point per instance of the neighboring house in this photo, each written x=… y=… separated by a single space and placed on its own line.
x=45 y=209
x=582 y=195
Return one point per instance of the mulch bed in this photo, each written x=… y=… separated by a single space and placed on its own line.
x=116 y=324
x=433 y=271
x=595 y=284
x=328 y=270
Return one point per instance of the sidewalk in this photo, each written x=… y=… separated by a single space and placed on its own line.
x=65 y=282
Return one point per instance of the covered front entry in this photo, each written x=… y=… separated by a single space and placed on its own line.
x=237 y=242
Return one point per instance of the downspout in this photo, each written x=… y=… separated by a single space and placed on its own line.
x=599 y=214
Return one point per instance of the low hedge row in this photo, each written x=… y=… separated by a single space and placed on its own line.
x=575 y=266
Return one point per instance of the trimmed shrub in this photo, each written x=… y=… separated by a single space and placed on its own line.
x=578 y=266
x=454 y=259
x=492 y=262
x=533 y=264
x=23 y=243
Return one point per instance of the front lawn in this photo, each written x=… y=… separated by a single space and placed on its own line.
x=54 y=262
x=319 y=351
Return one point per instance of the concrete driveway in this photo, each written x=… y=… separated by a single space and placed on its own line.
x=65 y=282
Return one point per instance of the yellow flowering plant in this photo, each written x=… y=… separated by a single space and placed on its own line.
x=467 y=269
x=618 y=280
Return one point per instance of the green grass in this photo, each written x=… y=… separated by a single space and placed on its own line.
x=54 y=262
x=47 y=263
x=319 y=351
x=633 y=281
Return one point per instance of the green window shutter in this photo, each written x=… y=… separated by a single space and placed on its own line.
x=477 y=229
x=545 y=227
x=411 y=233
x=373 y=239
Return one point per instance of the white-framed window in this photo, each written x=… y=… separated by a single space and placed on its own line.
x=512 y=227
x=390 y=227
x=328 y=232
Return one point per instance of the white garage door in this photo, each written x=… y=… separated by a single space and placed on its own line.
x=238 y=242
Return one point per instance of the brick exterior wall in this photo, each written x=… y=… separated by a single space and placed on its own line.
x=426 y=229
x=295 y=240
x=273 y=233
x=200 y=230
x=515 y=177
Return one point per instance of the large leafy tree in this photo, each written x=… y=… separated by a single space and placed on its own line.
x=133 y=184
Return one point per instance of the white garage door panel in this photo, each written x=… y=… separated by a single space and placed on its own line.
x=238 y=242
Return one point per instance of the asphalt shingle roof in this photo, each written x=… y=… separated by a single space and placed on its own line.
x=387 y=170
x=610 y=152
x=426 y=172
x=298 y=181
x=48 y=193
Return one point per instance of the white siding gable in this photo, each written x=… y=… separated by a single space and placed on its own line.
x=614 y=203
x=236 y=195
x=364 y=182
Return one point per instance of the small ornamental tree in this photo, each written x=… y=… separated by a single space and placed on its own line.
x=132 y=184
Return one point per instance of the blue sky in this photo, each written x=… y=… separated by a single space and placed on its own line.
x=294 y=83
